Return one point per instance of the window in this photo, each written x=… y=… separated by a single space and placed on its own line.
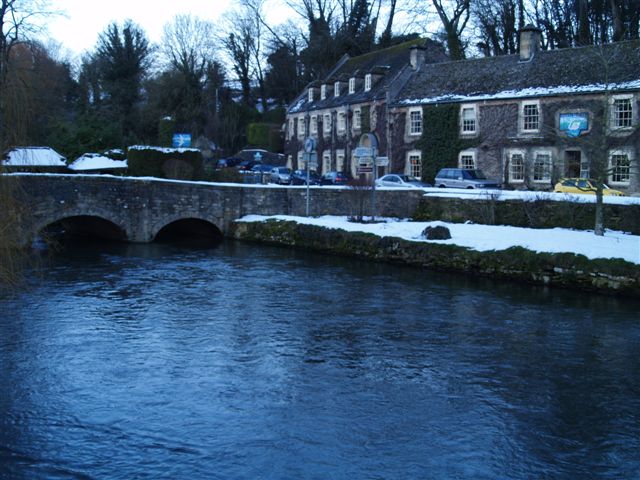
x=352 y=85
x=620 y=166
x=327 y=123
x=314 y=125
x=311 y=94
x=467 y=160
x=468 y=119
x=292 y=131
x=357 y=120
x=414 y=163
x=542 y=165
x=336 y=89
x=415 y=122
x=339 y=160
x=367 y=82
x=326 y=161
x=301 y=127
x=530 y=117
x=585 y=172
x=300 y=159
x=323 y=92
x=342 y=122
x=516 y=167
x=622 y=112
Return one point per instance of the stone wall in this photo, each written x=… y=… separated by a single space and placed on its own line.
x=563 y=270
x=536 y=214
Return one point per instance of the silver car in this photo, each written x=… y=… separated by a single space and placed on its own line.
x=402 y=181
x=281 y=175
x=462 y=178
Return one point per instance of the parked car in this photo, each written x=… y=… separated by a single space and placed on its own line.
x=299 y=177
x=404 y=181
x=334 y=178
x=281 y=175
x=463 y=178
x=246 y=165
x=228 y=162
x=584 y=185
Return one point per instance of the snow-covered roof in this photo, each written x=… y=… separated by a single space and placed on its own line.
x=569 y=71
x=162 y=149
x=34 y=157
x=95 y=161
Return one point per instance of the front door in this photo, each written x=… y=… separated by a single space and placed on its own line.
x=572 y=159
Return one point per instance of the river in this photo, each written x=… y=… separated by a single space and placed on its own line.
x=245 y=362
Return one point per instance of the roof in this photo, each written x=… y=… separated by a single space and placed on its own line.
x=34 y=157
x=568 y=71
x=387 y=63
x=95 y=161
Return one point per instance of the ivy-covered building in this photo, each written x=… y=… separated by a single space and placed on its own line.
x=526 y=119
x=351 y=101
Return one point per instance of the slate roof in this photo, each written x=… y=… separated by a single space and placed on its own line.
x=389 y=63
x=553 y=72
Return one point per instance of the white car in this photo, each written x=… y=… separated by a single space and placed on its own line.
x=403 y=181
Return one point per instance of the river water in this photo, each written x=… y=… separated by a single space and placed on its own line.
x=244 y=361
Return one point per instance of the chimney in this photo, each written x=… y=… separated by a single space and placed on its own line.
x=417 y=56
x=530 y=39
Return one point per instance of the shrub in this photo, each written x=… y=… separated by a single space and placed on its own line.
x=176 y=163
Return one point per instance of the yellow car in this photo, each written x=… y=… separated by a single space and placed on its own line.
x=584 y=185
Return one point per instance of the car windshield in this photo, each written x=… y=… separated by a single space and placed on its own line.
x=473 y=175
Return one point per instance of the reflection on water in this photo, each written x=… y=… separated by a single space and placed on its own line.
x=241 y=361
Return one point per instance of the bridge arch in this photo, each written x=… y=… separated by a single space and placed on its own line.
x=188 y=228
x=81 y=225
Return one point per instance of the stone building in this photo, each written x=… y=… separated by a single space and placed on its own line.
x=525 y=119
x=352 y=101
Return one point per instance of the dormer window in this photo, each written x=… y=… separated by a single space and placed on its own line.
x=323 y=92
x=352 y=86
x=336 y=89
x=311 y=94
x=367 y=82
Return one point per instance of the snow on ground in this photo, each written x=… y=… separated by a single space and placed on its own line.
x=489 y=237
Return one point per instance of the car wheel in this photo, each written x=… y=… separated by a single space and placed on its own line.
x=469 y=188
x=442 y=186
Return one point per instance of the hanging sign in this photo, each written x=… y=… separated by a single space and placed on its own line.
x=573 y=124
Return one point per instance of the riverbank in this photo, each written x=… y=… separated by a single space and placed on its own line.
x=553 y=257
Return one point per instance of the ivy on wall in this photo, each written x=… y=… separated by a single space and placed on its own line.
x=440 y=142
x=365 y=118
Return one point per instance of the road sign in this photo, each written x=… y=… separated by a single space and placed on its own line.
x=382 y=161
x=363 y=152
x=365 y=170
x=309 y=145
x=181 y=140
x=365 y=161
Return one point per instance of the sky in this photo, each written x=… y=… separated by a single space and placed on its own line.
x=81 y=21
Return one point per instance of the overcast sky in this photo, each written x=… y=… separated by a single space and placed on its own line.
x=82 y=20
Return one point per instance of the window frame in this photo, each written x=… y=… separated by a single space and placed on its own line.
x=302 y=128
x=510 y=172
x=549 y=166
x=357 y=119
x=367 y=82
x=336 y=89
x=523 y=118
x=342 y=121
x=629 y=153
x=323 y=91
x=310 y=95
x=340 y=158
x=326 y=125
x=326 y=161
x=410 y=123
x=313 y=125
x=467 y=153
x=474 y=108
x=613 y=112
x=352 y=85
x=411 y=169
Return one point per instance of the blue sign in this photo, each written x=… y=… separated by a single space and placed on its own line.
x=181 y=140
x=574 y=123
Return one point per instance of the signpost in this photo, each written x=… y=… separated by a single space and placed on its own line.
x=310 y=156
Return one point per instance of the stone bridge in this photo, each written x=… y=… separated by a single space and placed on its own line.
x=141 y=209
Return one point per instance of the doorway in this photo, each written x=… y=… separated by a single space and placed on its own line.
x=572 y=163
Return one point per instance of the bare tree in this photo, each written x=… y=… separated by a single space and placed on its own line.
x=454 y=16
